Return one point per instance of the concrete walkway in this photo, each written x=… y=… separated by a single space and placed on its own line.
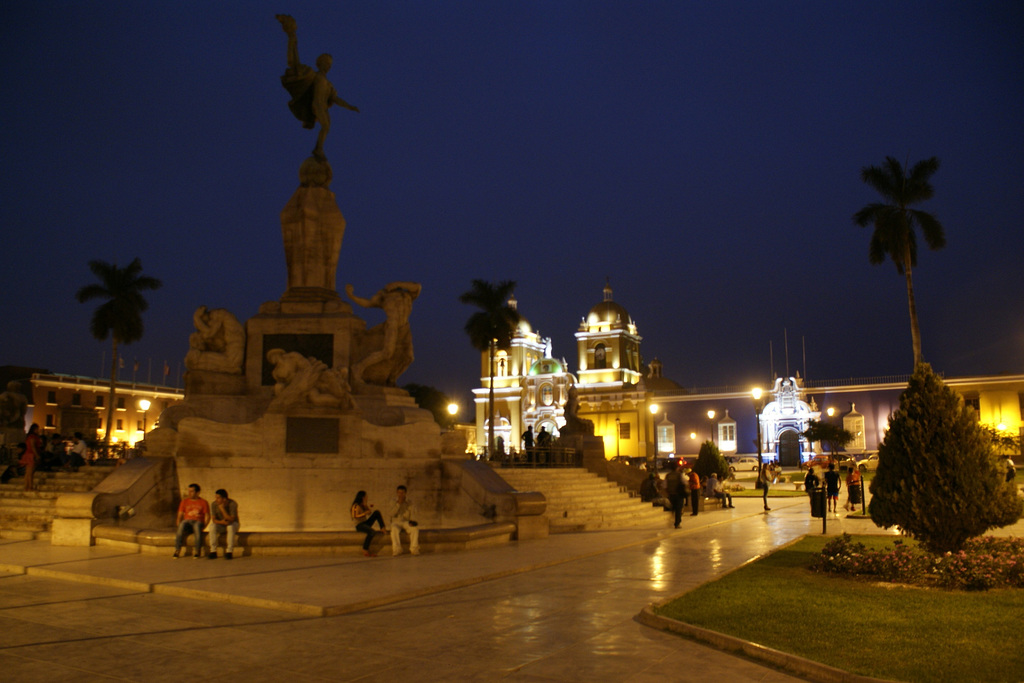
x=559 y=609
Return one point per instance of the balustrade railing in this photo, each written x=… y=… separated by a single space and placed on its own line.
x=542 y=457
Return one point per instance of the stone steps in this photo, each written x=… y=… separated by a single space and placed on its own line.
x=578 y=500
x=27 y=515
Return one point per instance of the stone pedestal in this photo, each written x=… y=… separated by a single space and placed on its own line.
x=317 y=329
x=312 y=227
x=72 y=532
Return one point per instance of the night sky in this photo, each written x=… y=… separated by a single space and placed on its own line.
x=704 y=156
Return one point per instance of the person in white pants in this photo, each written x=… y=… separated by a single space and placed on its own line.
x=401 y=518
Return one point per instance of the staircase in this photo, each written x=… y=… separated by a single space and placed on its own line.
x=579 y=500
x=27 y=515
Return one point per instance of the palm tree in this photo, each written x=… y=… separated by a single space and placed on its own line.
x=120 y=315
x=489 y=329
x=894 y=222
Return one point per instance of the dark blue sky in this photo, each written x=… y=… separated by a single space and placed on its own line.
x=705 y=156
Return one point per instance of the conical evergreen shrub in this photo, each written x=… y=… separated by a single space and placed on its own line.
x=709 y=460
x=939 y=478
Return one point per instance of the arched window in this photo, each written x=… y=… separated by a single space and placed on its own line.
x=600 y=352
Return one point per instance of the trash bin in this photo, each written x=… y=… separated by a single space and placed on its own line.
x=855 y=494
x=817 y=503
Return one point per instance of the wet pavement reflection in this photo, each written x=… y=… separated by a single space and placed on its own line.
x=570 y=621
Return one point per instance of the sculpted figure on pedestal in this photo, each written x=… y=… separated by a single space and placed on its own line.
x=312 y=94
x=574 y=424
x=389 y=357
x=13 y=406
x=301 y=381
x=218 y=344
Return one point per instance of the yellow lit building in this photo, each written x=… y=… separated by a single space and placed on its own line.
x=65 y=404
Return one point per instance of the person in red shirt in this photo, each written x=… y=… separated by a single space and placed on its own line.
x=695 y=492
x=193 y=514
x=33 y=451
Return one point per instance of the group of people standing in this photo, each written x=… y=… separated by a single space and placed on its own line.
x=812 y=484
x=683 y=484
x=49 y=453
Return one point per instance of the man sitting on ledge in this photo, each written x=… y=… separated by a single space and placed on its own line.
x=401 y=518
x=715 y=490
x=225 y=518
x=193 y=513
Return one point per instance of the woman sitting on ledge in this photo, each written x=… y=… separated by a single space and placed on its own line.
x=364 y=516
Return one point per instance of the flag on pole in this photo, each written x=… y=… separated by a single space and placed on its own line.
x=136 y=368
x=167 y=369
x=120 y=363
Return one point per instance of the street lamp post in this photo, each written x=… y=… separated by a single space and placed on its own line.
x=144 y=404
x=711 y=427
x=617 y=432
x=654 y=428
x=758 y=406
x=453 y=410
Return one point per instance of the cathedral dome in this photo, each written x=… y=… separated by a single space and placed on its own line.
x=608 y=312
x=546 y=366
x=523 y=329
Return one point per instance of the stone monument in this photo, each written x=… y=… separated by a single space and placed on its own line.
x=298 y=409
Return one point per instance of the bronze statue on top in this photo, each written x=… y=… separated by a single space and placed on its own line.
x=312 y=94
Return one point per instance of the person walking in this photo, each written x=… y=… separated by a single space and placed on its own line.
x=678 y=491
x=832 y=488
x=764 y=477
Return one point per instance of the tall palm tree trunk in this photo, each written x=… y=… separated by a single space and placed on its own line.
x=915 y=329
x=110 y=401
x=490 y=401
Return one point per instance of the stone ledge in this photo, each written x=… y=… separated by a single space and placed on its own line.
x=458 y=538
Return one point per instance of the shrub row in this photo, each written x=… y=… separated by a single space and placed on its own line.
x=983 y=563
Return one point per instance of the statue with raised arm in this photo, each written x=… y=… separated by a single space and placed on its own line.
x=312 y=94
x=394 y=354
x=218 y=344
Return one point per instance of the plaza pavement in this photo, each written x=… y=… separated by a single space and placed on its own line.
x=558 y=609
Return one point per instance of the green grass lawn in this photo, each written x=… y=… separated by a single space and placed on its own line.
x=895 y=632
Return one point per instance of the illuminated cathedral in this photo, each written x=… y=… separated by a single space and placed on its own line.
x=639 y=413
